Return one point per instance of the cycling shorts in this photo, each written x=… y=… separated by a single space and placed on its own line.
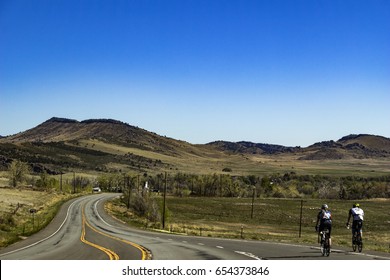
x=327 y=224
x=357 y=225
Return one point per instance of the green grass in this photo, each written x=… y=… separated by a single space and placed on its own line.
x=273 y=219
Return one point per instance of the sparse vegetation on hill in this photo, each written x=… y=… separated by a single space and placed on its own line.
x=252 y=148
x=106 y=145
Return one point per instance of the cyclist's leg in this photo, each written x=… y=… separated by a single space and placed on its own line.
x=354 y=231
x=320 y=230
x=360 y=239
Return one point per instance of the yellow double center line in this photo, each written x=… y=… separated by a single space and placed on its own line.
x=111 y=254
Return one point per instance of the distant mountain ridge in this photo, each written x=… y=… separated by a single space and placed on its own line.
x=354 y=145
x=373 y=142
x=102 y=143
x=251 y=148
x=109 y=130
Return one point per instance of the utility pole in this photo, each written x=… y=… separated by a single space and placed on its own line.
x=220 y=185
x=129 y=191
x=300 y=219
x=61 y=181
x=33 y=211
x=74 y=182
x=165 y=192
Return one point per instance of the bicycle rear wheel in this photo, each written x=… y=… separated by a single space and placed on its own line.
x=360 y=244
x=354 y=244
x=323 y=249
x=327 y=253
x=327 y=248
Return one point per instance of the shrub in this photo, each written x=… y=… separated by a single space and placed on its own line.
x=145 y=206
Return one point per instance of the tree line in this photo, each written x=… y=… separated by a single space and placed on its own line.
x=288 y=185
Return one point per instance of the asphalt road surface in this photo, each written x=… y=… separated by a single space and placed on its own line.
x=83 y=230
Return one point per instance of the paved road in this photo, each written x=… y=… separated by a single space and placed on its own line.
x=75 y=234
x=83 y=230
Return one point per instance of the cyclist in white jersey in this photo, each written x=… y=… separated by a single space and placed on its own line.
x=357 y=215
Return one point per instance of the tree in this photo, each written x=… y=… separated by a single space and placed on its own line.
x=17 y=172
x=45 y=182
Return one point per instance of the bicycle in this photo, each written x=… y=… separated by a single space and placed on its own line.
x=357 y=240
x=325 y=246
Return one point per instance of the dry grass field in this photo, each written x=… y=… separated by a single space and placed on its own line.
x=16 y=221
x=273 y=219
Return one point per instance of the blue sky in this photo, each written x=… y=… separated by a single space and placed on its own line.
x=279 y=72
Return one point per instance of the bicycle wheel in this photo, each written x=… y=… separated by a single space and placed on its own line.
x=323 y=246
x=327 y=247
x=360 y=244
x=354 y=245
x=327 y=253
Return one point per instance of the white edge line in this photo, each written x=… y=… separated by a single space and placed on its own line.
x=248 y=255
x=97 y=213
x=334 y=250
x=42 y=240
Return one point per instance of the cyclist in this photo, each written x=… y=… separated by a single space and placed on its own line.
x=324 y=220
x=357 y=215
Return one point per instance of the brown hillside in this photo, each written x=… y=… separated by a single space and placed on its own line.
x=106 y=145
x=106 y=130
x=371 y=142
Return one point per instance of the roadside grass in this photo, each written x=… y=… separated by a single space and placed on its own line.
x=16 y=220
x=273 y=219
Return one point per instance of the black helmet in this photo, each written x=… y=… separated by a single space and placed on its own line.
x=324 y=206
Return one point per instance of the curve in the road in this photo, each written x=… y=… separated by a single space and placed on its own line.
x=71 y=226
x=44 y=239
x=111 y=254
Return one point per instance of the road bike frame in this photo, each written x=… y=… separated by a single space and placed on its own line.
x=325 y=246
x=357 y=242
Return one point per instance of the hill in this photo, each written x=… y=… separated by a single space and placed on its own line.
x=365 y=141
x=97 y=144
x=106 y=130
x=106 y=145
x=252 y=148
x=351 y=146
x=357 y=146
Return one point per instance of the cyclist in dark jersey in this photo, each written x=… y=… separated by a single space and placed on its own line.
x=324 y=220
